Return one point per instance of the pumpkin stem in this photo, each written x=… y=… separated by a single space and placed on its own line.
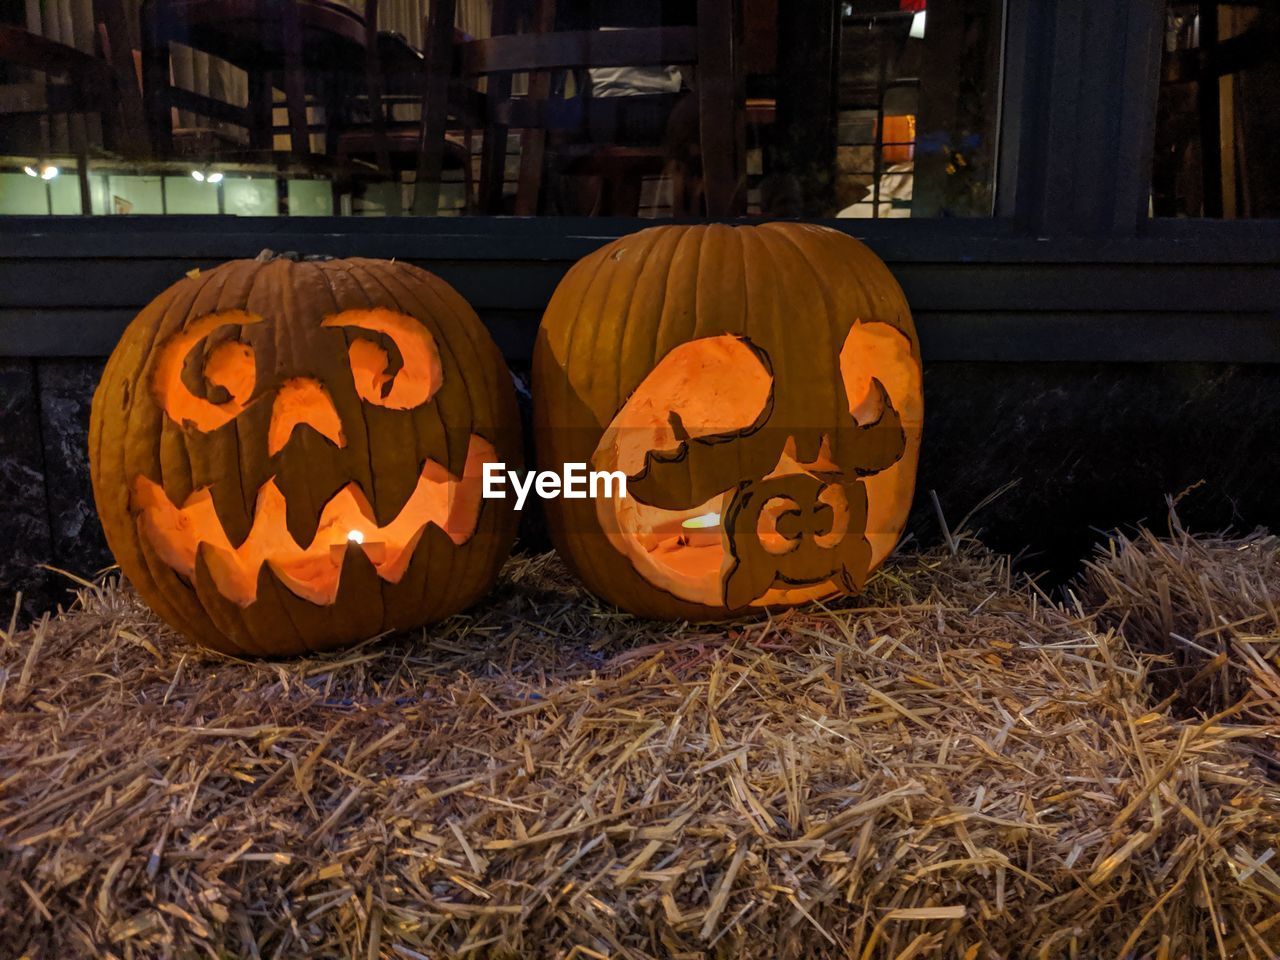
x=267 y=255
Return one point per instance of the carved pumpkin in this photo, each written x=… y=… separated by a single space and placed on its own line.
x=759 y=387
x=287 y=456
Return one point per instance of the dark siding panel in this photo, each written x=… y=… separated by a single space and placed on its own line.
x=108 y=284
x=61 y=332
x=528 y=284
x=947 y=335
x=1120 y=337
x=1093 y=446
x=966 y=311
x=25 y=540
x=66 y=392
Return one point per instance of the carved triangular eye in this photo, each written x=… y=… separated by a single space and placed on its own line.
x=420 y=374
x=703 y=389
x=227 y=368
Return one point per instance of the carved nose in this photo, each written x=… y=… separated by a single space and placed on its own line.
x=303 y=401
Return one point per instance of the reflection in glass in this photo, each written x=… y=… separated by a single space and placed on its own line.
x=1217 y=143
x=689 y=108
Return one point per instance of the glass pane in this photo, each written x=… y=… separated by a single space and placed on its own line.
x=827 y=108
x=1217 y=146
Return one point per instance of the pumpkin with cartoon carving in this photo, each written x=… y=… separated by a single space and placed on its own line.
x=287 y=455
x=760 y=389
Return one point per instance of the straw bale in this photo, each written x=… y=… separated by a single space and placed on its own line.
x=1206 y=607
x=951 y=765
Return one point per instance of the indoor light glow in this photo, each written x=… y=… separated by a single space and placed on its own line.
x=197 y=176
x=30 y=171
x=214 y=178
x=702 y=521
x=917 y=25
x=355 y=536
x=48 y=173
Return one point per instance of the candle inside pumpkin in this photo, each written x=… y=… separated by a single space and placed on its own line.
x=702 y=530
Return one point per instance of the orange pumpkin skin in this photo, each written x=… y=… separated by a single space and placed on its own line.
x=759 y=386
x=287 y=456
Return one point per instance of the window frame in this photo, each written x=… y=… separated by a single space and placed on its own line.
x=1069 y=191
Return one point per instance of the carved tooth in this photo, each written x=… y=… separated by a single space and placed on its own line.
x=226 y=616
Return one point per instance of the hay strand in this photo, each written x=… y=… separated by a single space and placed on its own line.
x=952 y=765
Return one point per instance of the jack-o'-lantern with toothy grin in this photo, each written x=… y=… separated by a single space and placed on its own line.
x=287 y=455
x=760 y=388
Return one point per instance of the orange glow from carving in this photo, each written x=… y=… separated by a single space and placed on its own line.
x=713 y=387
x=228 y=366
x=718 y=387
x=772 y=539
x=879 y=350
x=418 y=378
x=303 y=400
x=180 y=534
x=692 y=563
x=882 y=351
x=835 y=498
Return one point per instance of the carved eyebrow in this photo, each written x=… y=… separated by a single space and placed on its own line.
x=229 y=365
x=711 y=387
x=421 y=374
x=874 y=350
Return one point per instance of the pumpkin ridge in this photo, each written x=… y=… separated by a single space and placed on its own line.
x=456 y=566
x=227 y=291
x=353 y=271
x=484 y=356
x=450 y=563
x=623 y=275
x=494 y=529
x=281 y=595
x=274 y=612
x=284 y=608
x=200 y=286
x=830 y=350
x=653 y=264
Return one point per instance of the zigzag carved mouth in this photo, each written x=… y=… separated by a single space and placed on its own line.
x=183 y=535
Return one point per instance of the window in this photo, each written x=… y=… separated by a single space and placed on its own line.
x=1217 y=142
x=861 y=108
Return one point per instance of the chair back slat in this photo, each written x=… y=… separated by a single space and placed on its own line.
x=573 y=49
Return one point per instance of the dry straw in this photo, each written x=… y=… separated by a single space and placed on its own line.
x=951 y=766
x=1207 y=607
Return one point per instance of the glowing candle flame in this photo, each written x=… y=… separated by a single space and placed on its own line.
x=702 y=522
x=355 y=536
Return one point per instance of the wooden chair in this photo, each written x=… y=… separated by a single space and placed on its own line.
x=79 y=82
x=1191 y=78
x=306 y=43
x=712 y=48
x=395 y=74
